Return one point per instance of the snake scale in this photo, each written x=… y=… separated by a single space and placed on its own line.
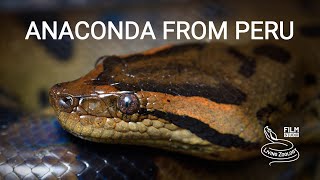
x=209 y=100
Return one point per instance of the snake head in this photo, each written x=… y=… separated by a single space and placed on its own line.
x=90 y=111
x=270 y=135
x=118 y=103
x=80 y=97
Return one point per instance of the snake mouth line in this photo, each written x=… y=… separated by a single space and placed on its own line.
x=115 y=130
x=148 y=132
x=168 y=127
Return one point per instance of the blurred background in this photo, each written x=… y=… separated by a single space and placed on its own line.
x=37 y=147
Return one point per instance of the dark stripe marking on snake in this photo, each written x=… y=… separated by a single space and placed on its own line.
x=173 y=66
x=110 y=61
x=248 y=67
x=292 y=98
x=273 y=52
x=264 y=113
x=222 y=93
x=203 y=130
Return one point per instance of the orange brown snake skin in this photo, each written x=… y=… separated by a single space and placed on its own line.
x=208 y=100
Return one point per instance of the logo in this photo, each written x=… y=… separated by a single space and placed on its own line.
x=291 y=132
x=279 y=150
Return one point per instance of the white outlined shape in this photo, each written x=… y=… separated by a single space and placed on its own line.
x=289 y=152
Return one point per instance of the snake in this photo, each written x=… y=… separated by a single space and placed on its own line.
x=243 y=84
x=207 y=100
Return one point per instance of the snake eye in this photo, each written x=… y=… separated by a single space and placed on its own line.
x=66 y=102
x=128 y=103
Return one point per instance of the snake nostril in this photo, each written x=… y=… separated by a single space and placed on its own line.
x=56 y=89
